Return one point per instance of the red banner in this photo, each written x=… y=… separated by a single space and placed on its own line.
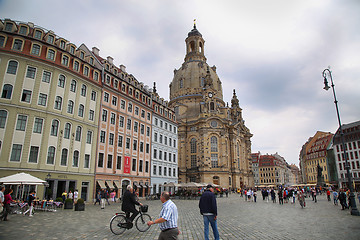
x=127 y=164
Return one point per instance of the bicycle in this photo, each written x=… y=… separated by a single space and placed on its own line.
x=118 y=223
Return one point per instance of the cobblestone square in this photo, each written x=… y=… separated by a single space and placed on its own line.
x=237 y=219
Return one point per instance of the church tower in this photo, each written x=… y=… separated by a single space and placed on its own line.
x=214 y=144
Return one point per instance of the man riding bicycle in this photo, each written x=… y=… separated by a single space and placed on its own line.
x=128 y=205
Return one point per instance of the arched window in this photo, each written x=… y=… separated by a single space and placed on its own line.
x=192 y=46
x=78 y=134
x=12 y=67
x=193 y=145
x=61 y=82
x=51 y=155
x=70 y=108
x=73 y=85
x=83 y=90
x=76 y=159
x=58 y=102
x=212 y=106
x=214 y=144
x=7 y=91
x=54 y=127
x=3 y=117
x=67 y=130
x=64 y=156
x=81 y=110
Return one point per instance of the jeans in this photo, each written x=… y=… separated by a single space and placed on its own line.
x=210 y=219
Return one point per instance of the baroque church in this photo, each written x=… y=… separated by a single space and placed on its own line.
x=213 y=142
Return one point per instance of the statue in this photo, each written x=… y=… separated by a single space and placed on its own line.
x=319 y=171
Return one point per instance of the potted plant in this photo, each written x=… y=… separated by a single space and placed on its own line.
x=58 y=199
x=80 y=205
x=68 y=204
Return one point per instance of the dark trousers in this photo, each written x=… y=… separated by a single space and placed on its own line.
x=6 y=211
x=133 y=216
x=169 y=234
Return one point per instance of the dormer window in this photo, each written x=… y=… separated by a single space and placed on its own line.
x=23 y=30
x=62 y=44
x=50 y=54
x=115 y=71
x=91 y=61
x=18 y=44
x=72 y=49
x=107 y=79
x=50 y=39
x=76 y=66
x=8 y=27
x=107 y=67
x=82 y=55
x=38 y=34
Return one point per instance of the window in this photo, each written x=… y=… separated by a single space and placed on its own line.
x=113 y=118
x=156 y=121
x=96 y=76
x=83 y=90
x=70 y=108
x=109 y=161
x=114 y=101
x=92 y=61
x=142 y=113
x=140 y=165
x=122 y=104
x=165 y=171
x=193 y=161
x=78 y=134
x=3 y=117
x=50 y=39
x=76 y=66
x=38 y=123
x=38 y=34
x=130 y=107
x=136 y=111
x=23 y=30
x=51 y=155
x=12 y=67
x=154 y=169
x=2 y=41
x=128 y=124
x=141 y=146
x=101 y=160
x=8 y=27
x=46 y=77
x=160 y=154
x=67 y=130
x=58 y=102
x=87 y=161
x=121 y=121
x=82 y=55
x=102 y=136
x=35 y=50
x=135 y=145
x=146 y=166
x=61 y=82
x=33 y=156
x=120 y=141
x=75 y=159
x=42 y=99
x=161 y=138
x=142 y=128
x=86 y=71
x=18 y=44
x=136 y=126
x=21 y=122
x=155 y=153
x=26 y=96
x=127 y=144
x=89 y=137
x=64 y=156
x=160 y=170
x=54 y=127
x=214 y=144
x=134 y=164
x=118 y=163
x=148 y=131
x=181 y=83
x=104 y=115
x=73 y=86
x=111 y=139
x=72 y=49
x=93 y=96
x=62 y=44
x=31 y=72
x=81 y=110
x=16 y=153
x=91 y=115
x=155 y=137
x=148 y=116
x=50 y=55
x=65 y=60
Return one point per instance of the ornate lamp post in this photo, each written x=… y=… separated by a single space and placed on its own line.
x=354 y=210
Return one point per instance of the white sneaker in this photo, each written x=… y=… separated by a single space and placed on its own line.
x=30 y=215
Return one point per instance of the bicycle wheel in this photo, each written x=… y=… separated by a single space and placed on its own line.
x=141 y=222
x=117 y=224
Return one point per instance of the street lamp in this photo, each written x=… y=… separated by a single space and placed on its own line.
x=354 y=210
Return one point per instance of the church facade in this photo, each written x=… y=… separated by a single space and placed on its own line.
x=213 y=142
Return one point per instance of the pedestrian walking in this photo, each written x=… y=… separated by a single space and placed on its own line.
x=70 y=195
x=103 y=197
x=342 y=199
x=328 y=195
x=168 y=218
x=7 y=201
x=281 y=197
x=107 y=195
x=208 y=208
x=31 y=199
x=98 y=198
x=2 y=201
x=64 y=196
x=335 y=197
x=76 y=195
x=254 y=195
x=273 y=195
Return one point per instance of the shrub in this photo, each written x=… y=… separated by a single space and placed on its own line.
x=68 y=200
x=59 y=199
x=80 y=201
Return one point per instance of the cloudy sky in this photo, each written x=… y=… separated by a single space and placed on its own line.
x=272 y=52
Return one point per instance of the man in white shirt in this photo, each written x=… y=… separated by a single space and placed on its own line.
x=76 y=195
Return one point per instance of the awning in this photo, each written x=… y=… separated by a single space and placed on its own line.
x=101 y=183
x=117 y=183
x=136 y=184
x=110 y=184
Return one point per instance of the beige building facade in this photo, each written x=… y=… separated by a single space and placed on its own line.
x=213 y=142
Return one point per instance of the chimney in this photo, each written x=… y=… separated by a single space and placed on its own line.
x=110 y=60
x=96 y=51
x=122 y=68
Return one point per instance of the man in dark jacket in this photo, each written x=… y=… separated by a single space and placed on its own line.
x=128 y=204
x=208 y=209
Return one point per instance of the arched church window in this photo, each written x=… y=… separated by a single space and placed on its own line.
x=201 y=47
x=214 y=144
x=193 y=145
x=192 y=46
x=212 y=106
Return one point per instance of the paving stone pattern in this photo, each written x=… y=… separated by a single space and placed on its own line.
x=237 y=219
